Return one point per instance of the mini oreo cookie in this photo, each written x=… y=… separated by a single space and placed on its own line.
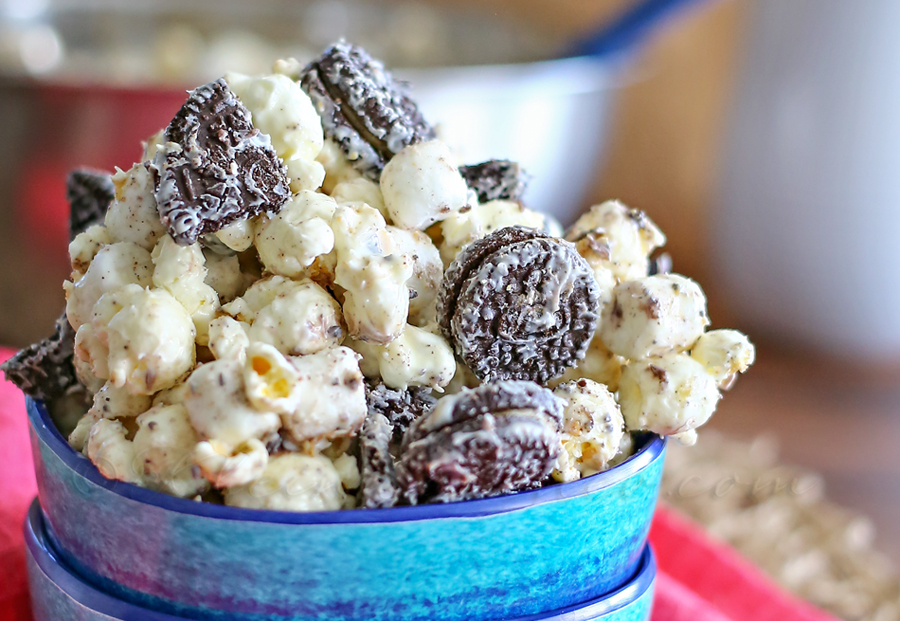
x=379 y=487
x=519 y=304
x=220 y=168
x=496 y=180
x=495 y=439
x=89 y=193
x=45 y=370
x=363 y=109
x=400 y=407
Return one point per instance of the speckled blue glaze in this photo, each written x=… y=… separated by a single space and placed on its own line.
x=59 y=594
x=494 y=558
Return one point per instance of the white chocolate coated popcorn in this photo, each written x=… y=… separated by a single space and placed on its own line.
x=421 y=185
x=181 y=271
x=91 y=340
x=281 y=109
x=415 y=358
x=630 y=235
x=599 y=365
x=290 y=241
x=85 y=247
x=219 y=408
x=428 y=272
x=348 y=470
x=225 y=466
x=133 y=217
x=654 y=315
x=115 y=402
x=592 y=429
x=467 y=225
x=163 y=445
x=79 y=436
x=668 y=395
x=360 y=190
x=113 y=266
x=271 y=381
x=332 y=396
x=237 y=236
x=151 y=342
x=171 y=396
x=372 y=272
x=111 y=452
x=223 y=274
x=292 y=482
x=338 y=168
x=228 y=338
x=724 y=353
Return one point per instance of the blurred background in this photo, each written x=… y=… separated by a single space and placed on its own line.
x=762 y=136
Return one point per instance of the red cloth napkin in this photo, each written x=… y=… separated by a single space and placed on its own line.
x=699 y=579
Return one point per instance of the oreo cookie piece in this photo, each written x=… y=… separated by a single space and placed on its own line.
x=45 y=370
x=89 y=193
x=400 y=407
x=363 y=109
x=219 y=169
x=496 y=180
x=379 y=487
x=495 y=439
x=519 y=304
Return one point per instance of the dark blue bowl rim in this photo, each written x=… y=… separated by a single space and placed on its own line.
x=54 y=568
x=46 y=430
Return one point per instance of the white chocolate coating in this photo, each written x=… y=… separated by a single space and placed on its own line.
x=724 y=353
x=372 y=272
x=281 y=109
x=133 y=216
x=421 y=185
x=653 y=315
x=116 y=402
x=338 y=168
x=360 y=190
x=599 y=365
x=111 y=452
x=290 y=241
x=85 y=247
x=428 y=272
x=271 y=381
x=592 y=429
x=668 y=395
x=237 y=236
x=223 y=274
x=415 y=358
x=332 y=396
x=292 y=482
x=225 y=466
x=228 y=338
x=163 y=445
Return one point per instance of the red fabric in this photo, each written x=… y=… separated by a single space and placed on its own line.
x=699 y=579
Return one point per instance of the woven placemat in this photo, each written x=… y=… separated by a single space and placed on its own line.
x=778 y=517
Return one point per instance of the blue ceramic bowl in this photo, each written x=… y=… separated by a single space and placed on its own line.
x=57 y=593
x=495 y=558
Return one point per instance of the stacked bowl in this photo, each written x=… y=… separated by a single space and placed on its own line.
x=101 y=549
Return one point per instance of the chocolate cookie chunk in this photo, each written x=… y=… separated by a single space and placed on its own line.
x=496 y=180
x=519 y=304
x=219 y=169
x=363 y=109
x=379 y=486
x=495 y=439
x=45 y=370
x=89 y=194
x=400 y=407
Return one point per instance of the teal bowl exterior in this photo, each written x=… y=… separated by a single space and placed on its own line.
x=496 y=558
x=58 y=593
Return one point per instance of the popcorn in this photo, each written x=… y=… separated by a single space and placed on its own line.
x=667 y=395
x=338 y=168
x=724 y=353
x=599 y=365
x=237 y=236
x=372 y=272
x=282 y=110
x=225 y=466
x=465 y=226
x=298 y=318
x=271 y=382
x=163 y=445
x=628 y=233
x=593 y=428
x=113 y=266
x=332 y=396
x=292 y=482
x=85 y=247
x=116 y=402
x=111 y=452
x=132 y=217
x=290 y=241
x=228 y=339
x=428 y=271
x=223 y=274
x=360 y=190
x=219 y=409
x=653 y=315
x=422 y=185
x=415 y=358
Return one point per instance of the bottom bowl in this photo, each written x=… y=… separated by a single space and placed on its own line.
x=57 y=593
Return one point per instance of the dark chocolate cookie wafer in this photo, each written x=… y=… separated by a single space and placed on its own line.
x=222 y=169
x=460 y=451
x=89 y=193
x=519 y=304
x=401 y=407
x=496 y=180
x=45 y=370
x=366 y=112
x=379 y=486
